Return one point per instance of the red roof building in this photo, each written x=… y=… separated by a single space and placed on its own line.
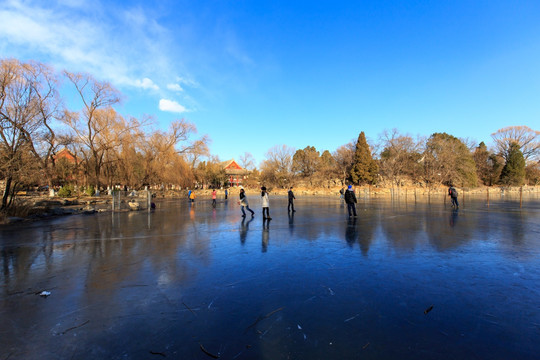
x=235 y=173
x=65 y=154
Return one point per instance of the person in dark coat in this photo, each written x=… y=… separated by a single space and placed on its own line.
x=452 y=192
x=291 y=200
x=350 y=199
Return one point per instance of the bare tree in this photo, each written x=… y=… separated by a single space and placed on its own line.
x=281 y=156
x=94 y=122
x=179 y=134
x=532 y=173
x=49 y=107
x=398 y=157
x=276 y=169
x=162 y=153
x=247 y=161
x=28 y=104
x=344 y=157
x=526 y=138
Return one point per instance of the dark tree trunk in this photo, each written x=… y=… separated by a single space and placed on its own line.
x=7 y=191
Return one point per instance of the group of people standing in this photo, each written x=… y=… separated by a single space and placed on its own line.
x=192 y=196
x=348 y=195
x=265 y=203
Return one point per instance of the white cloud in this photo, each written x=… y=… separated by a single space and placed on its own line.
x=130 y=46
x=171 y=106
x=174 y=87
x=96 y=39
x=146 y=83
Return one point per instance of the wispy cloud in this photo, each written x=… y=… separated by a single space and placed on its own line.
x=97 y=39
x=187 y=82
x=171 y=106
x=146 y=83
x=131 y=46
x=175 y=87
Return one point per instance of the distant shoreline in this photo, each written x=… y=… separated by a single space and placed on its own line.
x=35 y=207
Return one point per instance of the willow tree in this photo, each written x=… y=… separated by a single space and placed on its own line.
x=164 y=152
x=96 y=122
x=365 y=168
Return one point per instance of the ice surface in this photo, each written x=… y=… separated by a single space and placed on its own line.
x=182 y=278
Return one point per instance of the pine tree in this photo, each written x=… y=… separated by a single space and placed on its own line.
x=481 y=158
x=513 y=172
x=365 y=169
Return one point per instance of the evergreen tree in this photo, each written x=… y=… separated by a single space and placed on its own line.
x=496 y=164
x=365 y=169
x=513 y=172
x=481 y=158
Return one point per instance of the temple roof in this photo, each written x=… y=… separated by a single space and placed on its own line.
x=65 y=154
x=232 y=167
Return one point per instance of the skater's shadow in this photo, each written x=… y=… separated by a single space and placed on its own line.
x=265 y=235
x=244 y=227
x=350 y=231
x=453 y=217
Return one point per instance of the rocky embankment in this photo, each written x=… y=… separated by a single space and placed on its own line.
x=39 y=207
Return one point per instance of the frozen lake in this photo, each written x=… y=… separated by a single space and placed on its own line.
x=402 y=281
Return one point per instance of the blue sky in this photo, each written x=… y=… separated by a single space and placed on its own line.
x=255 y=74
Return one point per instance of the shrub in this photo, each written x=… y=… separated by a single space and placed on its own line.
x=66 y=191
x=90 y=190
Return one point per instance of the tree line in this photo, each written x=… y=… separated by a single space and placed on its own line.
x=109 y=148
x=397 y=159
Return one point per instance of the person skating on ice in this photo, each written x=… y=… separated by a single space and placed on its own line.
x=244 y=203
x=265 y=204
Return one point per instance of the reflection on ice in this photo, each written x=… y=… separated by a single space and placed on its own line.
x=168 y=281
